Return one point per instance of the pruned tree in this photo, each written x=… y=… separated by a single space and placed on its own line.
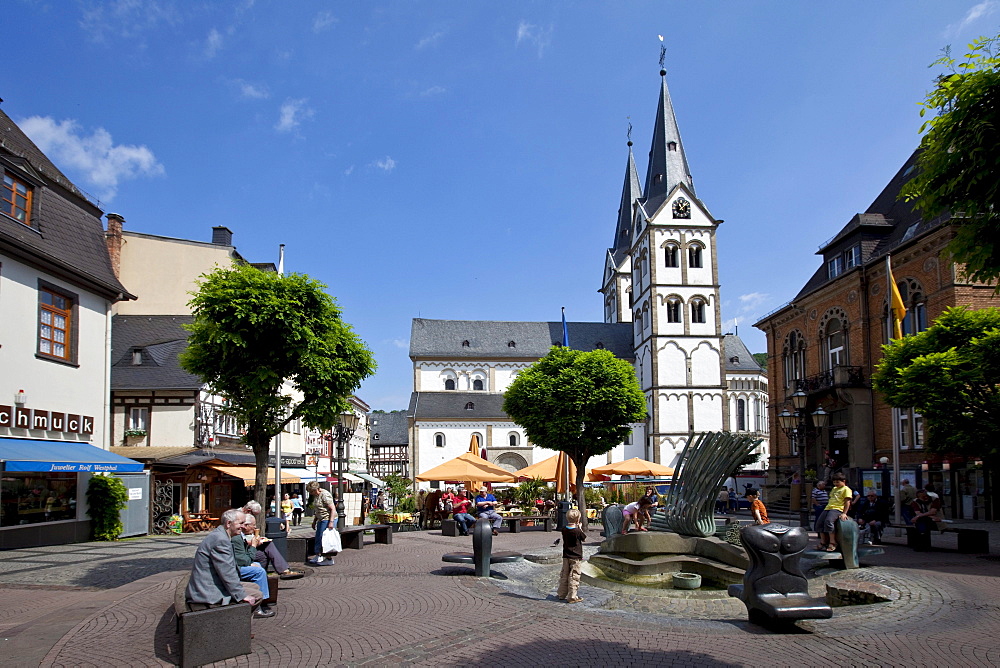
x=580 y=403
x=958 y=159
x=949 y=373
x=255 y=334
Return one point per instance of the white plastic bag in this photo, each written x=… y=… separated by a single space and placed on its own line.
x=331 y=541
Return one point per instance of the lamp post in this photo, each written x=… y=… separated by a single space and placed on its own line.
x=796 y=426
x=345 y=430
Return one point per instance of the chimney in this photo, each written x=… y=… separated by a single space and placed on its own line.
x=222 y=236
x=113 y=238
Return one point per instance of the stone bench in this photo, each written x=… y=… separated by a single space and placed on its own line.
x=449 y=528
x=970 y=541
x=212 y=634
x=514 y=521
x=353 y=537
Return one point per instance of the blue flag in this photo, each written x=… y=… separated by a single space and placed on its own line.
x=565 y=329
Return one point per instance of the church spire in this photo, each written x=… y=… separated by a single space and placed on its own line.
x=667 y=163
x=630 y=193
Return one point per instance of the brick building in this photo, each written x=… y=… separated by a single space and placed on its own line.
x=827 y=341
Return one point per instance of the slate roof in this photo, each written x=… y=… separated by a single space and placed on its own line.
x=886 y=225
x=738 y=357
x=146 y=454
x=631 y=191
x=66 y=236
x=672 y=165
x=532 y=340
x=162 y=338
x=391 y=428
x=430 y=405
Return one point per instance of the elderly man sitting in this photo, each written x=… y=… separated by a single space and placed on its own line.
x=249 y=570
x=214 y=577
x=264 y=552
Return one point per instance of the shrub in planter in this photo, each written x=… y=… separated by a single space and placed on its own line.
x=106 y=497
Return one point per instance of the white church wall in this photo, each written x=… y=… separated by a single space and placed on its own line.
x=672 y=365
x=707 y=409
x=705 y=370
x=673 y=412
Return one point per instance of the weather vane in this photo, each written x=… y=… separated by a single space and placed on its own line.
x=629 y=119
x=663 y=52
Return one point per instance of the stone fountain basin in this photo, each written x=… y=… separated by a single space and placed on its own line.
x=639 y=546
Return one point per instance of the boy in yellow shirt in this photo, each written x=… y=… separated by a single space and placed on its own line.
x=836 y=508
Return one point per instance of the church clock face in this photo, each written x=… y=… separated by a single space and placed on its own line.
x=682 y=208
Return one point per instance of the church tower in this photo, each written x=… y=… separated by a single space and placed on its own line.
x=662 y=275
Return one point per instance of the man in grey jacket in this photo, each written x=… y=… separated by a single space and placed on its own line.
x=215 y=580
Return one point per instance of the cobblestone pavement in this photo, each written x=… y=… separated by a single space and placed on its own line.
x=100 y=604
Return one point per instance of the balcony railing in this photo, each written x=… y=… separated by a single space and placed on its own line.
x=838 y=376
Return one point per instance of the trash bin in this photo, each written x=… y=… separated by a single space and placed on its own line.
x=277 y=530
x=562 y=508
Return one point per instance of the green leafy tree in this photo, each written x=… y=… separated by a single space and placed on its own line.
x=959 y=155
x=580 y=403
x=106 y=498
x=949 y=373
x=398 y=488
x=256 y=331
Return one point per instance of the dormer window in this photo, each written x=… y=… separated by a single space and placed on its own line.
x=835 y=267
x=470 y=406
x=465 y=344
x=15 y=199
x=375 y=436
x=671 y=146
x=511 y=344
x=137 y=357
x=852 y=256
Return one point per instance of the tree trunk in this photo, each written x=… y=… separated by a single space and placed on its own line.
x=581 y=497
x=261 y=446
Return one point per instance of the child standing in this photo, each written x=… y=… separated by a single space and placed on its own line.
x=757 y=508
x=572 y=538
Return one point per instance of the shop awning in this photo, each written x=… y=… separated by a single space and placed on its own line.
x=249 y=474
x=369 y=478
x=306 y=475
x=32 y=455
x=347 y=476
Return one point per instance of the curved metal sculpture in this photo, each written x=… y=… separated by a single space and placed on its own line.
x=612 y=519
x=703 y=466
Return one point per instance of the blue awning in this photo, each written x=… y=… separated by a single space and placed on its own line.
x=28 y=455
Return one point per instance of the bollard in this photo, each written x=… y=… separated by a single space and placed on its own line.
x=482 y=546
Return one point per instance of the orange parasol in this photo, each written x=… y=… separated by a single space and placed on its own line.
x=471 y=469
x=635 y=467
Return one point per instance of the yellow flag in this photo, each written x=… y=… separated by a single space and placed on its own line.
x=897 y=310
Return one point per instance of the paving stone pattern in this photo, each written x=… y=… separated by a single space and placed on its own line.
x=400 y=605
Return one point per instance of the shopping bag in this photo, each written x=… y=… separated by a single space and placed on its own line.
x=331 y=541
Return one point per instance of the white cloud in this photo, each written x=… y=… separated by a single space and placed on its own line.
x=323 y=21
x=126 y=19
x=349 y=171
x=433 y=90
x=533 y=35
x=429 y=40
x=251 y=90
x=292 y=113
x=101 y=163
x=401 y=343
x=213 y=43
x=752 y=300
x=975 y=13
x=386 y=164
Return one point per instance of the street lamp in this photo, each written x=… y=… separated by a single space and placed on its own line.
x=796 y=426
x=345 y=430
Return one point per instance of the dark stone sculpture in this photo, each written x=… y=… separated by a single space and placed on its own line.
x=774 y=588
x=612 y=519
x=482 y=554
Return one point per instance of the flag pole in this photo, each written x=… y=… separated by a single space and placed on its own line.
x=896 y=501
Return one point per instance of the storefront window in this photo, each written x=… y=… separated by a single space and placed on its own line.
x=29 y=498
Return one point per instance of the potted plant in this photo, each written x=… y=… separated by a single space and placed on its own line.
x=134 y=435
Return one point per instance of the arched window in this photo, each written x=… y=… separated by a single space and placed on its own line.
x=793 y=358
x=513 y=439
x=477 y=384
x=439 y=440
x=697 y=310
x=741 y=415
x=694 y=256
x=673 y=309
x=670 y=255
x=836 y=343
x=449 y=384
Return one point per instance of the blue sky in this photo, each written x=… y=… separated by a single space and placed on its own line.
x=461 y=160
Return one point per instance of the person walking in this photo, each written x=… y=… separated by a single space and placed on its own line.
x=297 y=509
x=324 y=516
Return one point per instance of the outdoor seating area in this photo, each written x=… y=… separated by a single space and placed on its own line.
x=200 y=521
